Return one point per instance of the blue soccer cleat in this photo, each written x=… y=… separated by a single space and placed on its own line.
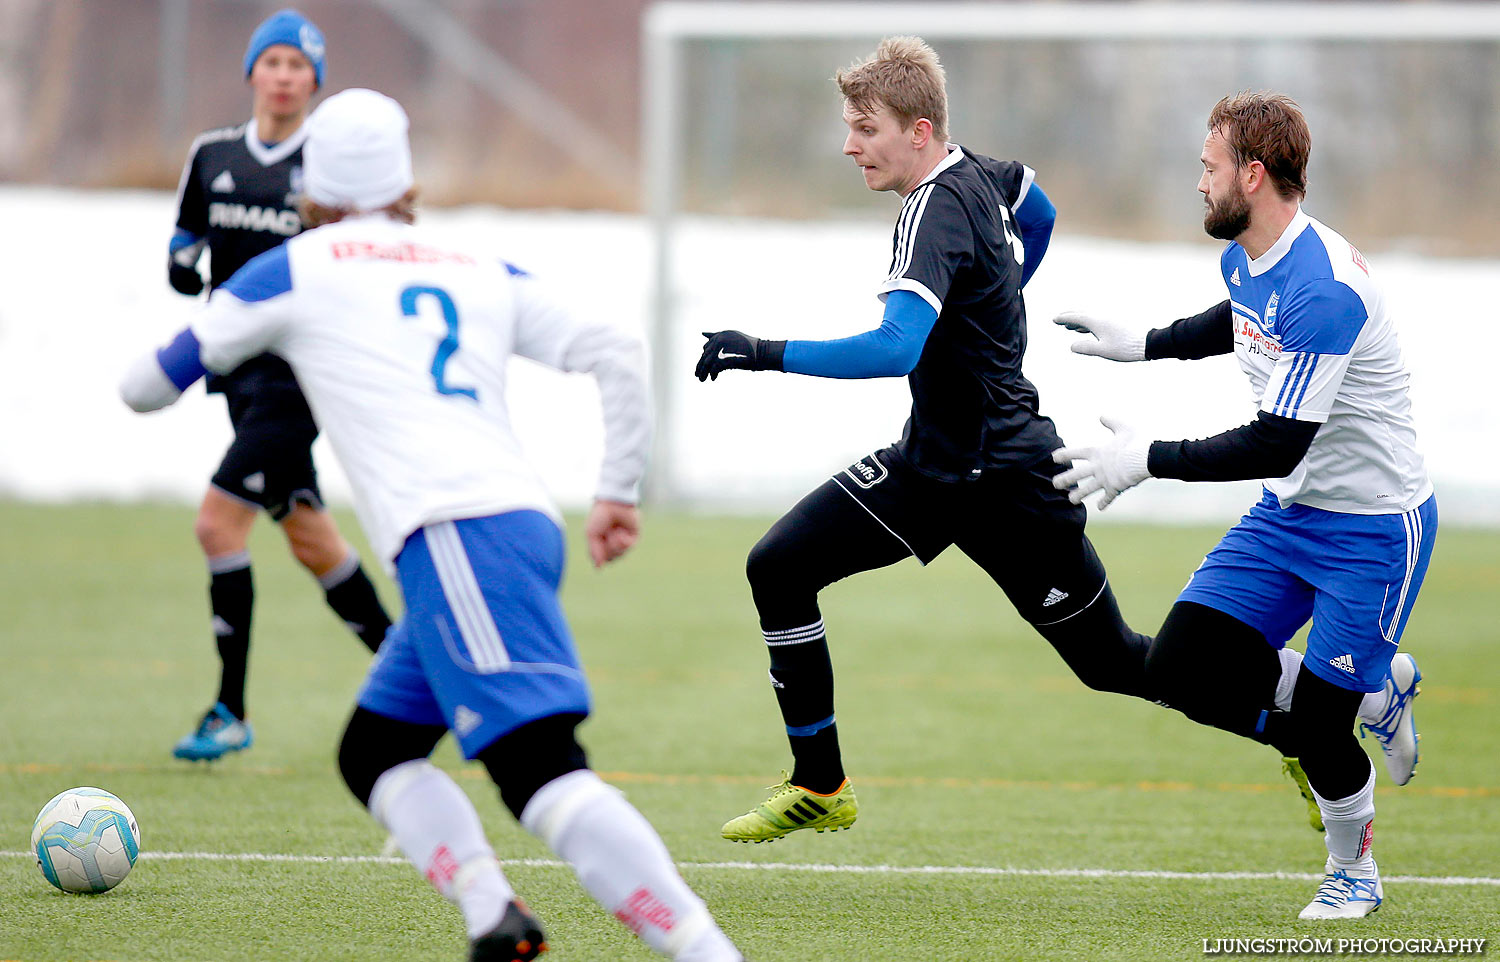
x=218 y=734
x=1387 y=715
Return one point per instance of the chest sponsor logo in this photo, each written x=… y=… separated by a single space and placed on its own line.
x=1255 y=340
x=239 y=217
x=867 y=472
x=223 y=184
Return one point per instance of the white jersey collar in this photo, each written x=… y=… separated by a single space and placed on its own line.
x=272 y=155
x=955 y=154
x=1274 y=254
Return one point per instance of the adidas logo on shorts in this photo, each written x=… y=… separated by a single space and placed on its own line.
x=1054 y=596
x=466 y=719
x=1343 y=663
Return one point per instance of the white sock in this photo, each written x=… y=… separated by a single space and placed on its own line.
x=1373 y=706
x=438 y=830
x=623 y=864
x=1291 y=663
x=1350 y=825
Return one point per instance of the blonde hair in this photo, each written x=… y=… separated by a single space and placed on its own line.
x=904 y=76
x=314 y=214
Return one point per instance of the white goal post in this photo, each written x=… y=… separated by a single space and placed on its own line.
x=668 y=27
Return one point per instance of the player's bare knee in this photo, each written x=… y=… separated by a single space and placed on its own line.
x=317 y=557
x=217 y=536
x=314 y=541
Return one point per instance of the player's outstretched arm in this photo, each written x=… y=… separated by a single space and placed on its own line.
x=735 y=350
x=890 y=350
x=156 y=380
x=1271 y=446
x=613 y=527
x=1109 y=339
x=1207 y=334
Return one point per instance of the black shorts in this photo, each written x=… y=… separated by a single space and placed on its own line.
x=1012 y=522
x=269 y=463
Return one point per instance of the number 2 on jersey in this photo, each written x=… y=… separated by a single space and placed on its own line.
x=449 y=343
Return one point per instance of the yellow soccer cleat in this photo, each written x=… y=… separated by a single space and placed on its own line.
x=790 y=808
x=1293 y=770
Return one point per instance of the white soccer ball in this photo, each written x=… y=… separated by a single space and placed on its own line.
x=85 y=840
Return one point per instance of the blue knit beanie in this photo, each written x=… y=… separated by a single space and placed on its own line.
x=293 y=29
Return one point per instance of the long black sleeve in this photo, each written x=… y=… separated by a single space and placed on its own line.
x=1268 y=447
x=1202 y=335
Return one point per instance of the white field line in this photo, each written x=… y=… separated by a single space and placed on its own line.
x=982 y=870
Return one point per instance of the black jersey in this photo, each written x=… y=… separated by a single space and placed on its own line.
x=956 y=246
x=241 y=197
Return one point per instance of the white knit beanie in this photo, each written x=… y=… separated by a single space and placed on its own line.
x=357 y=156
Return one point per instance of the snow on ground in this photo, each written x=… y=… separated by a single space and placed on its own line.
x=86 y=291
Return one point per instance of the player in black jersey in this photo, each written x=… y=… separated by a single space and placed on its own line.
x=237 y=199
x=973 y=467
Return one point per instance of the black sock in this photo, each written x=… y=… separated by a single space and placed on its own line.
x=802 y=675
x=352 y=597
x=231 y=596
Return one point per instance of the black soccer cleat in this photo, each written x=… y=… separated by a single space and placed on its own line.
x=518 y=937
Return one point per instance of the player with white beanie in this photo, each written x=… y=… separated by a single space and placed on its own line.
x=400 y=336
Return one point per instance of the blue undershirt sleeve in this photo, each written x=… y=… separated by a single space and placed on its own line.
x=890 y=350
x=1034 y=218
x=180 y=362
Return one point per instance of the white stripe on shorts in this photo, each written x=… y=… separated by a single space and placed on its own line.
x=476 y=626
x=1413 y=521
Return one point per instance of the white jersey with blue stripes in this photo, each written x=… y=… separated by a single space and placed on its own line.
x=1312 y=331
x=400 y=337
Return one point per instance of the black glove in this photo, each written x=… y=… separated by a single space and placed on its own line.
x=732 y=349
x=184 y=280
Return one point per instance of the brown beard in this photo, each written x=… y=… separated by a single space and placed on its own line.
x=1229 y=218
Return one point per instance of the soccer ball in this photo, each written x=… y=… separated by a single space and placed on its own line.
x=85 y=840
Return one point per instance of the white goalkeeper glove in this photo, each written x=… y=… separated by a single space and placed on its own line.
x=1111 y=338
x=1113 y=467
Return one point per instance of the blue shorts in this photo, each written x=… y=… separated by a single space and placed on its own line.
x=1355 y=575
x=483 y=647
